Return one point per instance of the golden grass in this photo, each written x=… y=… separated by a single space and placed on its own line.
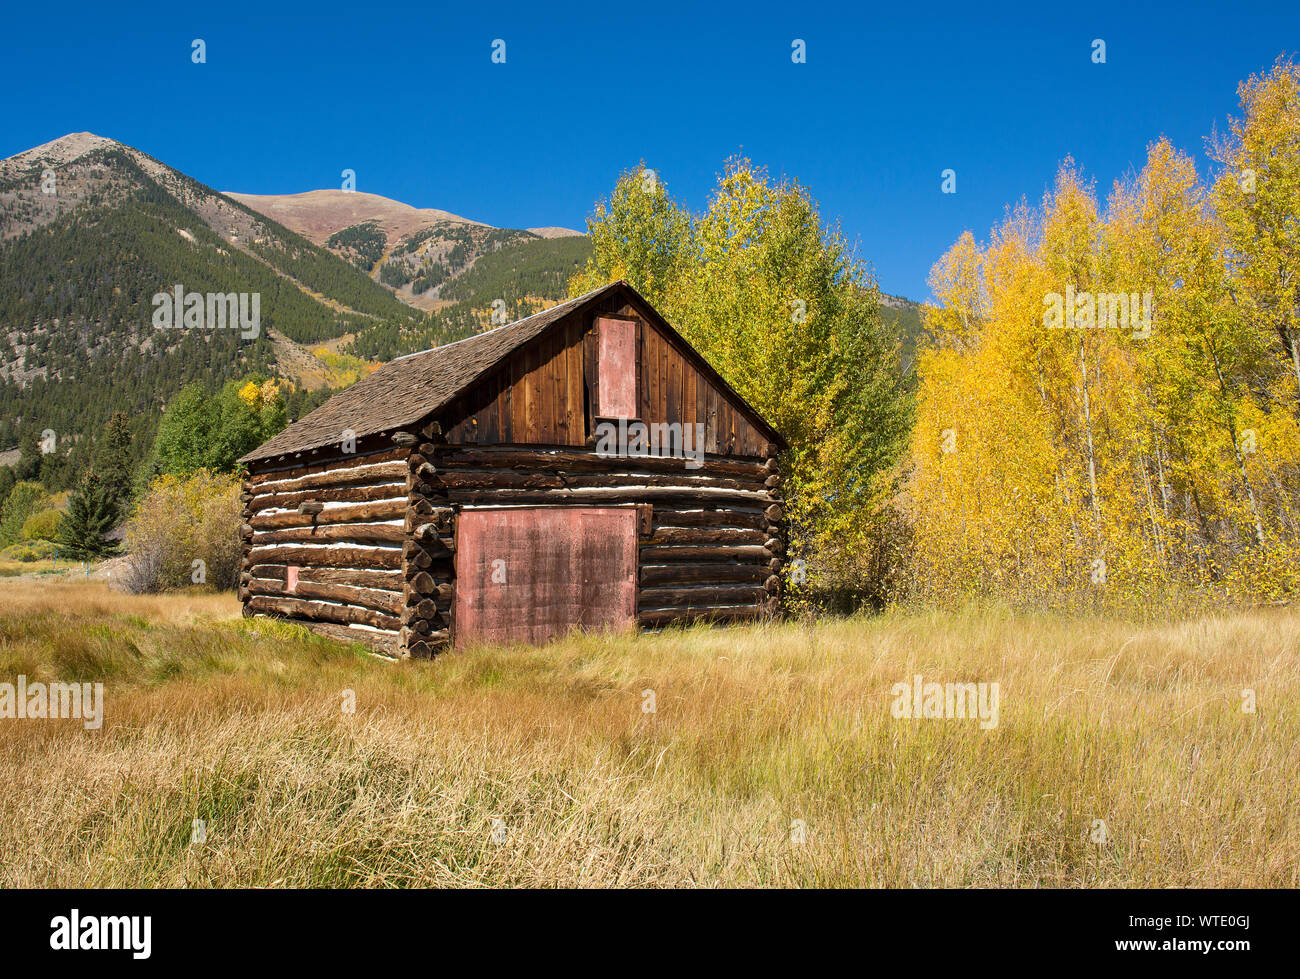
x=240 y=724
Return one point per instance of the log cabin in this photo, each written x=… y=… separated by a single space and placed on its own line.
x=584 y=467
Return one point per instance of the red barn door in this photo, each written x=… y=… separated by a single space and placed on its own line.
x=532 y=573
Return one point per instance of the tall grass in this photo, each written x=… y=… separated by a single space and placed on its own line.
x=539 y=767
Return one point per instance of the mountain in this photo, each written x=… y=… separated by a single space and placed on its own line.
x=93 y=230
x=416 y=252
x=94 y=233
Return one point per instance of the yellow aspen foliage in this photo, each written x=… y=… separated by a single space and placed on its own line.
x=1099 y=421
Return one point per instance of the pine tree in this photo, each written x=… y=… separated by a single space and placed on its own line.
x=92 y=515
x=113 y=458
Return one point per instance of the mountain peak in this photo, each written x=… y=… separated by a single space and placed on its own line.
x=65 y=149
x=317 y=214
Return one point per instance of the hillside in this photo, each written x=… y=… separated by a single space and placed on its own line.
x=79 y=267
x=92 y=229
x=421 y=254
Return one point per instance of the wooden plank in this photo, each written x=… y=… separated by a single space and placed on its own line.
x=574 y=421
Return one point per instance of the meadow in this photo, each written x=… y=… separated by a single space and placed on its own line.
x=771 y=757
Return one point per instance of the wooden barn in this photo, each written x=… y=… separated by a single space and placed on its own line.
x=583 y=467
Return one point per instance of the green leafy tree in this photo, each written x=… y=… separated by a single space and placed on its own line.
x=204 y=431
x=92 y=514
x=775 y=301
x=42 y=525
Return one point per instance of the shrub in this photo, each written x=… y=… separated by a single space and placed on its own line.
x=24 y=499
x=31 y=550
x=180 y=521
x=42 y=525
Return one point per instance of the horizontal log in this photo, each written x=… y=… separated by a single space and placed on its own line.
x=429 y=491
x=700 y=596
x=704 y=555
x=428 y=645
x=361 y=533
x=427 y=536
x=406 y=440
x=687 y=574
x=629 y=493
x=568 y=460
x=702 y=536
x=383 y=642
x=333 y=461
x=334 y=557
x=653 y=618
x=772 y=585
x=344 y=494
x=389 y=509
x=717 y=516
x=318 y=611
x=774 y=513
x=513 y=479
x=438 y=517
x=342 y=476
x=360 y=578
x=422 y=583
x=381 y=601
x=426 y=584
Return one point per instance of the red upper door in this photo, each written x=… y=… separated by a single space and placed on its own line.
x=617 y=365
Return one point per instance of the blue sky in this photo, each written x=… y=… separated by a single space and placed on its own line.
x=407 y=96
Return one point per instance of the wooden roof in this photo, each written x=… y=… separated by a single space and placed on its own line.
x=406 y=390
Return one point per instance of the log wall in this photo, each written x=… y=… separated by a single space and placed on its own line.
x=713 y=539
x=323 y=542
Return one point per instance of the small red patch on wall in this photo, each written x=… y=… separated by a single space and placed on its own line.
x=528 y=574
x=291 y=578
x=617 y=368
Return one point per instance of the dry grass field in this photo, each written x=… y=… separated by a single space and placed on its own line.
x=540 y=767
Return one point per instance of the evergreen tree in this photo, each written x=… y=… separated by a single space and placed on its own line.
x=113 y=458
x=92 y=514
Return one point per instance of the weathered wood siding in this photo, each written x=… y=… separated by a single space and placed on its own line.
x=549 y=392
